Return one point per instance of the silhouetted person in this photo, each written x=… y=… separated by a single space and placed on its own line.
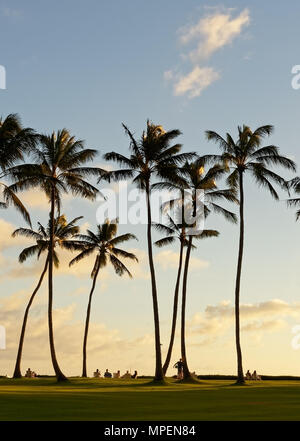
x=248 y=375
x=107 y=374
x=255 y=376
x=179 y=367
x=126 y=375
x=134 y=375
x=97 y=374
x=28 y=373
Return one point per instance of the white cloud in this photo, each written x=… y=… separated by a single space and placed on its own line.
x=214 y=32
x=195 y=82
x=168 y=259
x=208 y=35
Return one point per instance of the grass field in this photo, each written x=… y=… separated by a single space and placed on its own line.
x=44 y=399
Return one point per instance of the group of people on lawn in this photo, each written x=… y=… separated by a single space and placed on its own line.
x=30 y=373
x=107 y=374
x=97 y=374
x=178 y=365
x=253 y=376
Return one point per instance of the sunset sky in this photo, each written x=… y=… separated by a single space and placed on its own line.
x=192 y=65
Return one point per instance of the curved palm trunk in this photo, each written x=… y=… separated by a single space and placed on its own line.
x=186 y=372
x=240 y=374
x=159 y=375
x=59 y=375
x=175 y=308
x=87 y=322
x=17 y=371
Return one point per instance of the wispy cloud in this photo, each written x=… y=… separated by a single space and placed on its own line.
x=213 y=32
x=195 y=82
x=210 y=34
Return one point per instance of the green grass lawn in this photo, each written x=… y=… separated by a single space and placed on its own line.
x=44 y=399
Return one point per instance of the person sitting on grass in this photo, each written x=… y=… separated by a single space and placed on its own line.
x=248 y=375
x=255 y=376
x=107 y=374
x=97 y=374
x=28 y=373
x=134 y=376
x=116 y=374
x=126 y=375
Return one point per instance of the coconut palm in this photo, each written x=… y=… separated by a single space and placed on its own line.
x=63 y=233
x=241 y=156
x=104 y=243
x=59 y=167
x=174 y=231
x=151 y=155
x=199 y=200
x=14 y=142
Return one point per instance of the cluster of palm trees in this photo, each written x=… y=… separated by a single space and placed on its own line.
x=58 y=163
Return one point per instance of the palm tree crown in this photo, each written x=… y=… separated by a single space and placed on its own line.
x=59 y=168
x=15 y=141
x=63 y=233
x=151 y=154
x=104 y=242
x=191 y=178
x=246 y=154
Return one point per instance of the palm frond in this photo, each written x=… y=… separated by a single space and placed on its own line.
x=119 y=267
x=165 y=241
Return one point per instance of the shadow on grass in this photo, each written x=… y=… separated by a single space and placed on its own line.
x=189 y=380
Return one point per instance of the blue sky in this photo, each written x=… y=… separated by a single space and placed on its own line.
x=89 y=66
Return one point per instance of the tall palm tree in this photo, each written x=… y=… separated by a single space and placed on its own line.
x=151 y=155
x=241 y=156
x=15 y=141
x=199 y=183
x=174 y=231
x=59 y=167
x=63 y=233
x=104 y=243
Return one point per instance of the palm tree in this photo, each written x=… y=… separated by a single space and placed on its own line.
x=14 y=142
x=174 y=231
x=59 y=167
x=63 y=232
x=103 y=242
x=195 y=180
x=151 y=155
x=247 y=155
